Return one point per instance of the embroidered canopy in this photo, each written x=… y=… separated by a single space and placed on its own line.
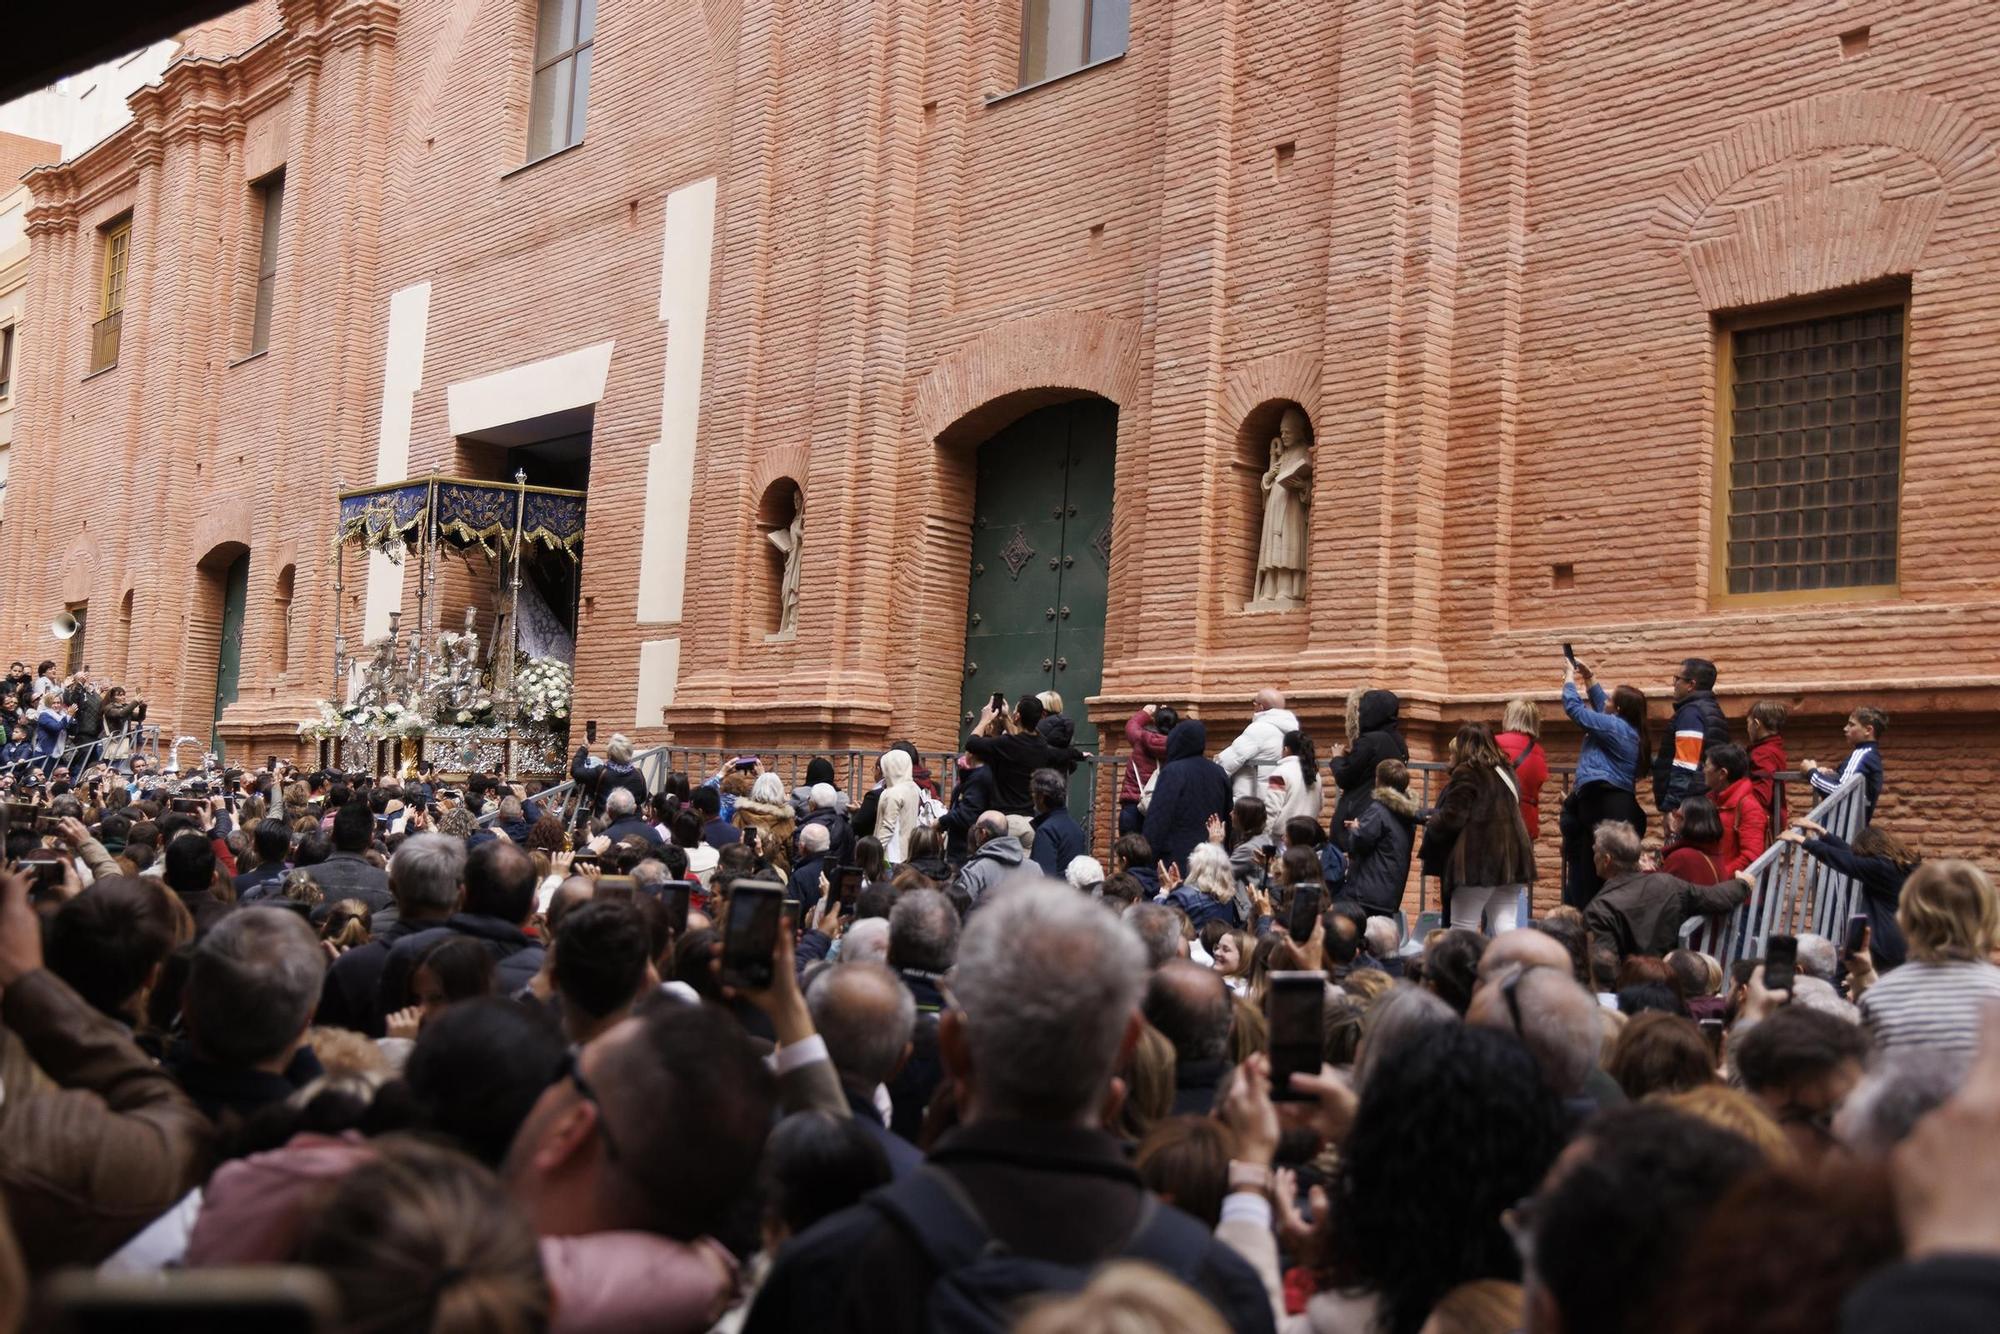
x=462 y=514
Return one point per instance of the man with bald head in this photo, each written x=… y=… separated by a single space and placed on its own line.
x=499 y=899
x=1523 y=947
x=1191 y=1007
x=867 y=1018
x=996 y=855
x=1557 y=1021
x=1258 y=748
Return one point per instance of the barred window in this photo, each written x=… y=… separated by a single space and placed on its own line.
x=1815 y=452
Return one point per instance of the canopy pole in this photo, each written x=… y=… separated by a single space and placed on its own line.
x=338 y=693
x=514 y=605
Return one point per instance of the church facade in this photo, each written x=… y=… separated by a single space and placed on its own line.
x=1147 y=352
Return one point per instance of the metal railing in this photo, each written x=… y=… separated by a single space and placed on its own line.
x=143 y=740
x=1794 y=892
x=104 y=337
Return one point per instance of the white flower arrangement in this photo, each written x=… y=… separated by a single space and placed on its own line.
x=324 y=725
x=542 y=688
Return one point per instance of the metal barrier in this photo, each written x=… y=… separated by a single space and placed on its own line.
x=1093 y=787
x=144 y=740
x=1794 y=892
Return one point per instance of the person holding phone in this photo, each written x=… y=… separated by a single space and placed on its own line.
x=1608 y=765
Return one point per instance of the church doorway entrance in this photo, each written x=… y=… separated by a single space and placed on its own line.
x=1041 y=564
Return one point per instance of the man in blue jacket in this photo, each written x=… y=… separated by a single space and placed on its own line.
x=1058 y=837
x=1698 y=724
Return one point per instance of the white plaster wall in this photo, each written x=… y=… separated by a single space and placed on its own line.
x=687 y=252
x=402 y=377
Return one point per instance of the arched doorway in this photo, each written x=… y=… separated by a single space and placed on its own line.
x=215 y=634
x=1041 y=561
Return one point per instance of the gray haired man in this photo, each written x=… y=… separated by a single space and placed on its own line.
x=1047 y=991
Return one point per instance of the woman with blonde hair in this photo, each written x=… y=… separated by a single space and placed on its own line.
x=900 y=807
x=1951 y=924
x=1126 y=1297
x=1483 y=1306
x=423 y=1240
x=1209 y=892
x=1519 y=740
x=1735 y=1111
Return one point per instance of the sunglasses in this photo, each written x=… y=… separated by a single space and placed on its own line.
x=573 y=1072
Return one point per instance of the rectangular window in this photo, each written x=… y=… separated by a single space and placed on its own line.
x=1058 y=36
x=117 y=247
x=6 y=361
x=564 y=30
x=272 y=193
x=1814 y=450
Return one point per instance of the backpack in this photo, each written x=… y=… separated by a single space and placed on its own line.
x=1146 y=788
x=981 y=1285
x=929 y=810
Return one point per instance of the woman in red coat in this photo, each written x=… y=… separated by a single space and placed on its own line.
x=1746 y=824
x=1695 y=852
x=1519 y=740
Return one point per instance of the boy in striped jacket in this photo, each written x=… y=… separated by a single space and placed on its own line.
x=1863 y=731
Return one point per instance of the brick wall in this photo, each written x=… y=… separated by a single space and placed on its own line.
x=1483 y=245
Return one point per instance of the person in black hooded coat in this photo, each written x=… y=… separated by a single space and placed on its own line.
x=1189 y=790
x=1354 y=771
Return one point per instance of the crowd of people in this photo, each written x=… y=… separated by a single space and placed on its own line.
x=472 y=1057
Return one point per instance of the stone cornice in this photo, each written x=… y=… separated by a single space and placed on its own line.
x=200 y=97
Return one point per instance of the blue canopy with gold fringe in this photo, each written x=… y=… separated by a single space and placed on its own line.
x=462 y=514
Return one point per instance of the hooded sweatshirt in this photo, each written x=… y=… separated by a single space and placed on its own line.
x=1354 y=772
x=1189 y=789
x=1256 y=749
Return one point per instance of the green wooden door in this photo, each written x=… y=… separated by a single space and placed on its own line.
x=1041 y=563
x=229 y=653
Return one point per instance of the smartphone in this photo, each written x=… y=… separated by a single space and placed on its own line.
x=750 y=837
x=1295 y=1009
x=750 y=933
x=616 y=887
x=45 y=871
x=1569 y=653
x=1857 y=935
x=185 y=805
x=676 y=895
x=1305 y=912
x=998 y=703
x=794 y=910
x=1711 y=1031
x=23 y=814
x=270 y=1299
x=590 y=732
x=847 y=882
x=271 y=764
x=1781 y=962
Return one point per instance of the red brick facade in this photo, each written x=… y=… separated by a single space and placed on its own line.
x=1483 y=245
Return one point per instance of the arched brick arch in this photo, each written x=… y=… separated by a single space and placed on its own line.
x=1020 y=364
x=229 y=526
x=1804 y=198
x=1291 y=376
x=79 y=568
x=784 y=461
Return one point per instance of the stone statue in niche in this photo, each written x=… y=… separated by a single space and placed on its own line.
x=1283 y=548
x=789 y=541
